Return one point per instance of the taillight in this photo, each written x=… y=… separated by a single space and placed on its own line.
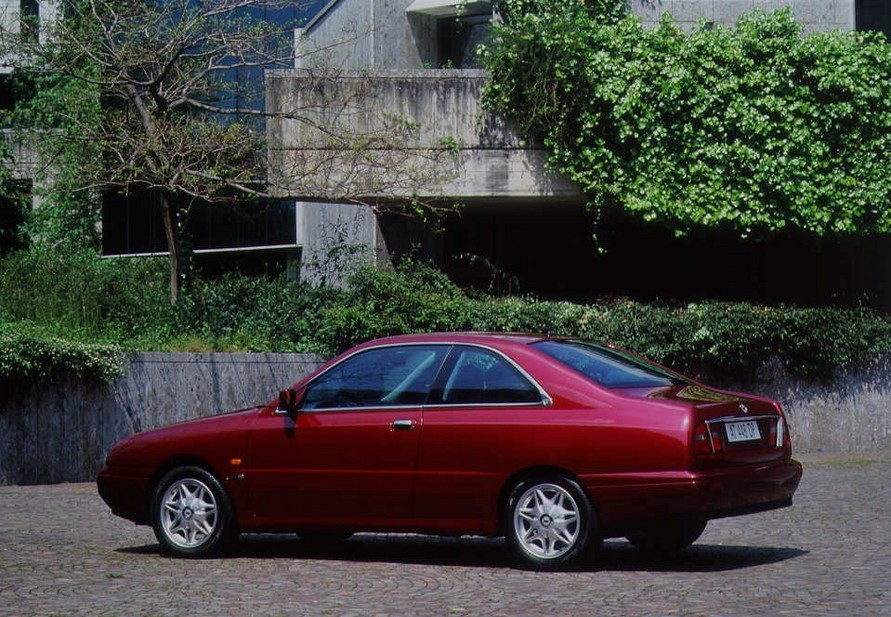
x=707 y=440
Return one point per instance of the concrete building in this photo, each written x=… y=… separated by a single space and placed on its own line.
x=29 y=20
x=413 y=59
x=403 y=73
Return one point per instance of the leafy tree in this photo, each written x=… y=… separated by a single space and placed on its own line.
x=754 y=128
x=165 y=98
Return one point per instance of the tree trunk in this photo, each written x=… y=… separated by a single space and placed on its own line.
x=170 y=231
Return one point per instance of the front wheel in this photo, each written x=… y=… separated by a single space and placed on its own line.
x=550 y=522
x=191 y=514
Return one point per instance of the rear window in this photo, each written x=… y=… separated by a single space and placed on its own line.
x=611 y=368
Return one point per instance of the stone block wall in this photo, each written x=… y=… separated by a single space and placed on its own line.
x=61 y=431
x=850 y=414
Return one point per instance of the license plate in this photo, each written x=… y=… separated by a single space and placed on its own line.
x=742 y=431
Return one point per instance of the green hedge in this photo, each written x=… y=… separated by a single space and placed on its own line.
x=28 y=357
x=721 y=340
x=54 y=309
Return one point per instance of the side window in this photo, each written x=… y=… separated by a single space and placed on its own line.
x=481 y=376
x=389 y=376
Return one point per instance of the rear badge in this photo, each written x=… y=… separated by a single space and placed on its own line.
x=743 y=408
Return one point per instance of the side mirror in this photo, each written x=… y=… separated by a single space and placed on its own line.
x=289 y=401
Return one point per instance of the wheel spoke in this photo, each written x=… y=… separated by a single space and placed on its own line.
x=564 y=536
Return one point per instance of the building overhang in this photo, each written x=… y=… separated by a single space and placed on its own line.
x=447 y=8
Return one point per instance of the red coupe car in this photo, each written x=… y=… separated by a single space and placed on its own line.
x=555 y=443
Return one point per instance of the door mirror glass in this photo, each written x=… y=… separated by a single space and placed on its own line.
x=289 y=401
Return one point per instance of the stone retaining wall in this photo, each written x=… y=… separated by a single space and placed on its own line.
x=61 y=431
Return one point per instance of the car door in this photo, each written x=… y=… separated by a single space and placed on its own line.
x=347 y=457
x=480 y=420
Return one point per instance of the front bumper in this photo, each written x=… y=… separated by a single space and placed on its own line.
x=124 y=490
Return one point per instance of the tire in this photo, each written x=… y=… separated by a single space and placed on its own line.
x=191 y=513
x=550 y=523
x=667 y=537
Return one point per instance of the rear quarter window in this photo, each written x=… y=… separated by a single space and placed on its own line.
x=608 y=367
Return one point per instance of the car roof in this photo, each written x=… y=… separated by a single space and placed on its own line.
x=488 y=338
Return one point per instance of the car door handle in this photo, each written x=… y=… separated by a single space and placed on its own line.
x=403 y=425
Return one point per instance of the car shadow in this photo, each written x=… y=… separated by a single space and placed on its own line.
x=476 y=552
x=621 y=556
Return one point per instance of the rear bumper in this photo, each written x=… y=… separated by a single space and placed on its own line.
x=708 y=494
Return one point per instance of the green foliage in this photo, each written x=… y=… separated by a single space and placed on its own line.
x=606 y=11
x=28 y=356
x=754 y=128
x=12 y=209
x=55 y=118
x=242 y=313
x=414 y=298
x=79 y=295
x=53 y=308
x=717 y=339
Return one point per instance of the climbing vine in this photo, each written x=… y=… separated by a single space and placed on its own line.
x=754 y=128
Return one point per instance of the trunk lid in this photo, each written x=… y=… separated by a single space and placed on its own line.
x=731 y=428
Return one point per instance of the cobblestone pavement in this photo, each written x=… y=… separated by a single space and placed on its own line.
x=63 y=553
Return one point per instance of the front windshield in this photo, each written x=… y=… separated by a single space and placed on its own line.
x=611 y=368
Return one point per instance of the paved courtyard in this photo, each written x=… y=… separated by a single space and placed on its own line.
x=63 y=553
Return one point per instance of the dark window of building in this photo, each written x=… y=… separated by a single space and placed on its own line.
x=15 y=88
x=132 y=224
x=874 y=15
x=7 y=96
x=242 y=224
x=14 y=199
x=458 y=38
x=30 y=20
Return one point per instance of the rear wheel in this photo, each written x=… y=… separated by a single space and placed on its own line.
x=667 y=537
x=191 y=514
x=550 y=522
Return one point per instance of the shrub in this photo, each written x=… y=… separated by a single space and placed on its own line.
x=82 y=296
x=28 y=356
x=719 y=340
x=53 y=309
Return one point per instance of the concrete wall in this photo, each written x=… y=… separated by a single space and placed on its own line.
x=361 y=34
x=334 y=238
x=61 y=431
x=850 y=414
x=813 y=14
x=423 y=133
